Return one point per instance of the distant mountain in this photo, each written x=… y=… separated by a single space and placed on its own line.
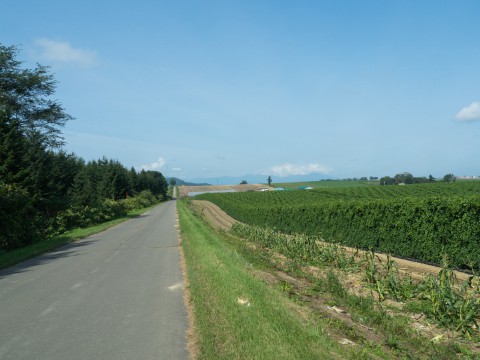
x=259 y=179
x=180 y=182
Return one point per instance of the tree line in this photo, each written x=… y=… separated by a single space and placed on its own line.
x=43 y=189
x=407 y=178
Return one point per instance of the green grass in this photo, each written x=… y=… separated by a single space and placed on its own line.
x=9 y=258
x=267 y=329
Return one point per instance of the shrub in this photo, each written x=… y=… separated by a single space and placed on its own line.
x=142 y=200
x=84 y=216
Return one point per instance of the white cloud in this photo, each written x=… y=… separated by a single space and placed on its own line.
x=470 y=112
x=289 y=169
x=176 y=169
x=63 y=52
x=155 y=166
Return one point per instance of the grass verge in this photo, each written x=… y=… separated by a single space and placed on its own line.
x=237 y=316
x=9 y=258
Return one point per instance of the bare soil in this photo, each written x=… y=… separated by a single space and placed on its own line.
x=214 y=215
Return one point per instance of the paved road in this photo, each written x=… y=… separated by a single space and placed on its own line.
x=115 y=295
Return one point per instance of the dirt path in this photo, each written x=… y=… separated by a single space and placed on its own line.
x=219 y=219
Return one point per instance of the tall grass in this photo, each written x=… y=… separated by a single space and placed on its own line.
x=452 y=305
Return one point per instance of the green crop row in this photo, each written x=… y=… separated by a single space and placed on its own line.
x=423 y=228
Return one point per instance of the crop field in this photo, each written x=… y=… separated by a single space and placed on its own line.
x=427 y=312
x=429 y=222
x=356 y=190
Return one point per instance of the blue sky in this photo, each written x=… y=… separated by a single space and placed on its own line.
x=201 y=89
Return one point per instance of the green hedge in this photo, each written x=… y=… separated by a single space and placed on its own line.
x=84 y=216
x=419 y=228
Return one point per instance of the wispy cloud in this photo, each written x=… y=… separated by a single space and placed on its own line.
x=176 y=169
x=63 y=52
x=157 y=165
x=470 y=112
x=289 y=169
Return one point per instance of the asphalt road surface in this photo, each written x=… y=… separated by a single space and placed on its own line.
x=114 y=295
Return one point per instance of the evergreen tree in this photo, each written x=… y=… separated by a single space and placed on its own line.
x=12 y=150
x=63 y=170
x=132 y=182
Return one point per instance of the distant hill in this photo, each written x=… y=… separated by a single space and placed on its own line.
x=260 y=179
x=180 y=182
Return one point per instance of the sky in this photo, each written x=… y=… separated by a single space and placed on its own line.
x=201 y=89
